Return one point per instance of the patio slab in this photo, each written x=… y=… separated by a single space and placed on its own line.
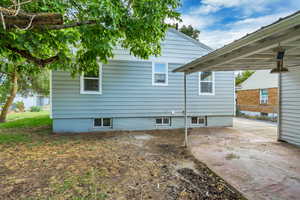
x=248 y=157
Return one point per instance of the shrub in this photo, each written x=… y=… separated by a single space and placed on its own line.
x=20 y=106
x=35 y=109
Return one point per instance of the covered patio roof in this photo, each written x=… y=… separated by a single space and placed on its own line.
x=254 y=51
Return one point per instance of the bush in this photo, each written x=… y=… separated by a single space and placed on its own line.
x=20 y=106
x=35 y=109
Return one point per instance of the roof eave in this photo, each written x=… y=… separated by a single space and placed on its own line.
x=279 y=26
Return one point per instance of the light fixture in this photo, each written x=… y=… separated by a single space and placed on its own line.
x=279 y=60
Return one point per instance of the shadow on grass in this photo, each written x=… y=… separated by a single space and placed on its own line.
x=38 y=121
x=25 y=128
x=7 y=138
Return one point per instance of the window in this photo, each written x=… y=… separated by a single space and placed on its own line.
x=264 y=96
x=206 y=83
x=163 y=121
x=159 y=73
x=91 y=83
x=102 y=123
x=198 y=120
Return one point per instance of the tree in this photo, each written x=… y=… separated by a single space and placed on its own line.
x=190 y=31
x=241 y=77
x=71 y=35
x=74 y=35
x=14 y=79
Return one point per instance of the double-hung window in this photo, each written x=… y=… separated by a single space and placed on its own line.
x=206 y=83
x=159 y=73
x=91 y=83
x=264 y=96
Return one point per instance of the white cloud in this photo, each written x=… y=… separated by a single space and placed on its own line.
x=246 y=6
x=225 y=3
x=205 y=9
x=199 y=22
x=219 y=37
x=216 y=31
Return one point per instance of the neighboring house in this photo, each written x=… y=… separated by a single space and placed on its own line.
x=32 y=100
x=258 y=95
x=133 y=94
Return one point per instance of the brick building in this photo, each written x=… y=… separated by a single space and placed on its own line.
x=258 y=95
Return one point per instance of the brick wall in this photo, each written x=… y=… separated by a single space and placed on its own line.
x=249 y=100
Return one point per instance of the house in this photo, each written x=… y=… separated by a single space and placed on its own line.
x=32 y=100
x=133 y=94
x=276 y=47
x=258 y=95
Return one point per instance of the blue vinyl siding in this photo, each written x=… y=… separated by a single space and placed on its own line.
x=129 y=97
x=175 y=47
x=127 y=91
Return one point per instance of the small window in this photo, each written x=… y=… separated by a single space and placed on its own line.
x=102 y=122
x=90 y=83
x=98 y=122
x=206 y=83
x=163 y=121
x=159 y=73
x=198 y=120
x=264 y=96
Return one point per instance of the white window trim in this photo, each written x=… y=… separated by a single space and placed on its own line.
x=102 y=123
x=213 y=81
x=100 y=83
x=260 y=96
x=198 y=117
x=162 y=120
x=166 y=72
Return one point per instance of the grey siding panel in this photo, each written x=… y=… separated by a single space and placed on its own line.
x=147 y=123
x=131 y=94
x=174 y=46
x=290 y=97
x=129 y=97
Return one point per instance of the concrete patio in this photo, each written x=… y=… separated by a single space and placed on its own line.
x=248 y=157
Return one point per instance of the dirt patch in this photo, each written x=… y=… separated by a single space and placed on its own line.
x=202 y=184
x=110 y=165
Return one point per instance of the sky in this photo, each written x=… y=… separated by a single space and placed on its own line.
x=223 y=21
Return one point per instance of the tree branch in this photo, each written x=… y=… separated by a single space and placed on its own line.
x=12 y=18
x=64 y=26
x=38 y=61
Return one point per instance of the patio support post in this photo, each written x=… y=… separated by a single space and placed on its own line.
x=185 y=114
x=279 y=107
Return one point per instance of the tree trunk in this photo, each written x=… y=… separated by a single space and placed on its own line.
x=10 y=99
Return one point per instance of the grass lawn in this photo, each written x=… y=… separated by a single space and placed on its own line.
x=15 y=116
x=27 y=120
x=36 y=164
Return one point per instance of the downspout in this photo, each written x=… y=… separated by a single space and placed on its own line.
x=185 y=114
x=279 y=108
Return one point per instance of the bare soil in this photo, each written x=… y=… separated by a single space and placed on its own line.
x=110 y=165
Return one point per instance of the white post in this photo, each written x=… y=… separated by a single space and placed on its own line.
x=185 y=114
